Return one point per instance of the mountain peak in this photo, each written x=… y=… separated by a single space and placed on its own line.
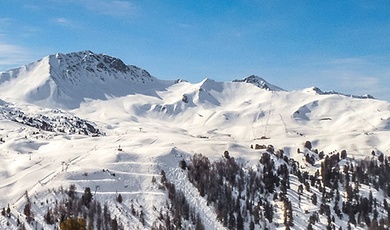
x=92 y=62
x=313 y=90
x=260 y=82
x=66 y=80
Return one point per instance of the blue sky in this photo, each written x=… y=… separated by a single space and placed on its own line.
x=334 y=45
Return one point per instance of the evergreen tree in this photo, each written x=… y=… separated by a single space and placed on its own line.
x=343 y=154
x=252 y=225
x=314 y=199
x=268 y=212
x=99 y=219
x=119 y=198
x=72 y=191
x=183 y=164
x=8 y=211
x=199 y=225
x=114 y=224
x=240 y=221
x=256 y=214
x=27 y=212
x=308 y=145
x=163 y=177
x=106 y=216
x=87 y=196
x=232 y=221
x=48 y=217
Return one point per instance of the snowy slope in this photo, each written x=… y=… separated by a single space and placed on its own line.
x=150 y=125
x=244 y=112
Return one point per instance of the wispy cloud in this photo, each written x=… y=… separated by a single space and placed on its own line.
x=357 y=75
x=10 y=27
x=5 y=22
x=62 y=21
x=12 y=55
x=359 y=85
x=65 y=22
x=31 y=6
x=362 y=83
x=111 y=8
x=348 y=61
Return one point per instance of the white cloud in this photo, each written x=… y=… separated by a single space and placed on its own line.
x=348 y=61
x=65 y=22
x=5 y=23
x=10 y=27
x=31 y=6
x=62 y=21
x=13 y=55
x=356 y=76
x=111 y=8
x=360 y=83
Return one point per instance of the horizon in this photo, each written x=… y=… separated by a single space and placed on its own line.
x=338 y=46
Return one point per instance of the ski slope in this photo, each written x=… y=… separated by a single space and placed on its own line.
x=150 y=125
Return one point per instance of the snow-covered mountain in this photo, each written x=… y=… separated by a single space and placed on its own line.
x=91 y=121
x=66 y=80
x=316 y=90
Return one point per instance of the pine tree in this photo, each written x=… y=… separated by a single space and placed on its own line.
x=114 y=224
x=351 y=215
x=314 y=199
x=163 y=177
x=119 y=198
x=106 y=216
x=142 y=217
x=8 y=211
x=27 y=212
x=199 y=225
x=183 y=164
x=268 y=212
x=251 y=225
x=256 y=215
x=232 y=220
x=381 y=158
x=72 y=191
x=48 y=217
x=87 y=196
x=99 y=219
x=240 y=221
x=343 y=154
x=308 y=145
